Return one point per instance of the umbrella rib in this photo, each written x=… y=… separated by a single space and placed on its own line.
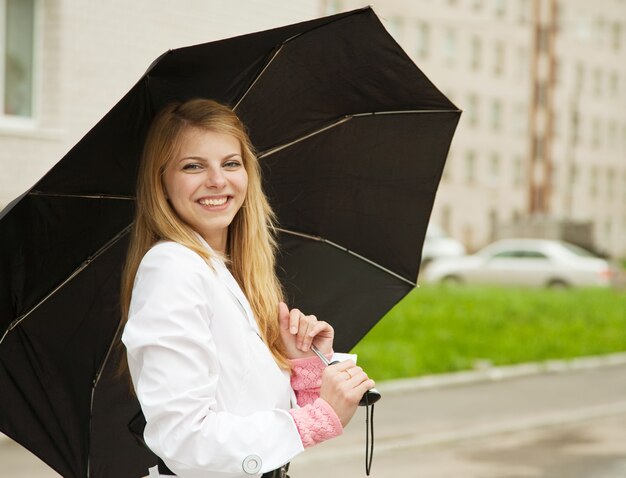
x=275 y=54
x=346 y=118
x=88 y=261
x=306 y=136
x=344 y=249
x=82 y=196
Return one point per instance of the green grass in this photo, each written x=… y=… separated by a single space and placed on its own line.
x=439 y=329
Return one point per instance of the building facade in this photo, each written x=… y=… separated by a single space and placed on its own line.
x=69 y=61
x=542 y=84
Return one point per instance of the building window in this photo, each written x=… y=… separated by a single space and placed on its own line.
x=522 y=66
x=616 y=36
x=498 y=58
x=500 y=8
x=596 y=131
x=614 y=83
x=612 y=134
x=449 y=45
x=494 y=167
x=593 y=182
x=472 y=110
x=470 y=167
x=610 y=183
x=597 y=82
x=396 y=28
x=496 y=115
x=17 y=68
x=423 y=34
x=475 y=52
x=520 y=118
x=518 y=172
x=523 y=15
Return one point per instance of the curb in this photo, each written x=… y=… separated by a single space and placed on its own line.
x=487 y=374
x=493 y=374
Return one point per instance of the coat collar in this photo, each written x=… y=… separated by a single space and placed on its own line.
x=231 y=284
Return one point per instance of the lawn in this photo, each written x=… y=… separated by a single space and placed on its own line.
x=438 y=329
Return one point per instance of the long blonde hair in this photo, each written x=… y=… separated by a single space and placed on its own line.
x=251 y=244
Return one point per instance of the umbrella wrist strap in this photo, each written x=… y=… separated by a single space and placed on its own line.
x=369 y=436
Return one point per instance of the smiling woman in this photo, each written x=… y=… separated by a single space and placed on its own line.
x=207 y=183
x=223 y=370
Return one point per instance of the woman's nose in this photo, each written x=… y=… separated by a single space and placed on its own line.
x=215 y=179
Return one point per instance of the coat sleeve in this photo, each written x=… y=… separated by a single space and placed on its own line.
x=175 y=370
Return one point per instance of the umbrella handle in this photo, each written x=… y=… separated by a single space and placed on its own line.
x=370 y=397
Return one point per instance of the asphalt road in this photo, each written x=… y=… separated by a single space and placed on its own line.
x=570 y=424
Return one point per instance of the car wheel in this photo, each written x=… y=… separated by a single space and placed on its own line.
x=558 y=284
x=451 y=280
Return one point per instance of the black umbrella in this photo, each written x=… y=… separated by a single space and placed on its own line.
x=352 y=138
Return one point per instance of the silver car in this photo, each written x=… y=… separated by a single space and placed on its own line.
x=525 y=262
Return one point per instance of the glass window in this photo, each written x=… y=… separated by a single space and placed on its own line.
x=596 y=131
x=523 y=14
x=593 y=184
x=16 y=72
x=522 y=67
x=470 y=167
x=498 y=58
x=500 y=8
x=475 y=52
x=423 y=35
x=472 y=110
x=614 y=83
x=449 y=53
x=597 y=82
x=494 y=167
x=616 y=36
x=496 y=115
x=518 y=171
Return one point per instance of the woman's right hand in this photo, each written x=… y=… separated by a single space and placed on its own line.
x=343 y=386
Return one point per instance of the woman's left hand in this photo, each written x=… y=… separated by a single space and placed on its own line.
x=300 y=331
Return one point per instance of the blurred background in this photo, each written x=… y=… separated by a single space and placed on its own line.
x=540 y=152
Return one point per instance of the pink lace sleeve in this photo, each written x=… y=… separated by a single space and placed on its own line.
x=316 y=422
x=306 y=379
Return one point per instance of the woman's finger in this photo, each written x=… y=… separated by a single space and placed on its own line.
x=294 y=321
x=307 y=322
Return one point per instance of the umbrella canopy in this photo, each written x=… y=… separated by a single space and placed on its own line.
x=352 y=139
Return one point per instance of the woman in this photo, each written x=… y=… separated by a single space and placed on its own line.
x=222 y=368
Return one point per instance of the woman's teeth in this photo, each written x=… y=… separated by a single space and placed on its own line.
x=213 y=202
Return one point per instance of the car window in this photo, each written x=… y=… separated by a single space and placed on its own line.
x=519 y=254
x=534 y=255
x=507 y=254
x=579 y=251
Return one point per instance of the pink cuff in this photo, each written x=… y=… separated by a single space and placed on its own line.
x=306 y=378
x=306 y=373
x=316 y=422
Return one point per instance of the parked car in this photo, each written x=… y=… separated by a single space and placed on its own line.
x=525 y=262
x=438 y=244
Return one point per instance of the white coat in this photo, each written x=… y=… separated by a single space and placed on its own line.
x=215 y=401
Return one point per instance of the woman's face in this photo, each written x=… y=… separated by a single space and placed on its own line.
x=206 y=183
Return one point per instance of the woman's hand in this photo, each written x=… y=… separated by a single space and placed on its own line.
x=343 y=386
x=300 y=331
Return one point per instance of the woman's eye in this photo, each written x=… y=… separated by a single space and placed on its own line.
x=232 y=164
x=191 y=167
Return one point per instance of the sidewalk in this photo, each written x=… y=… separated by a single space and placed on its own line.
x=411 y=416
x=416 y=414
